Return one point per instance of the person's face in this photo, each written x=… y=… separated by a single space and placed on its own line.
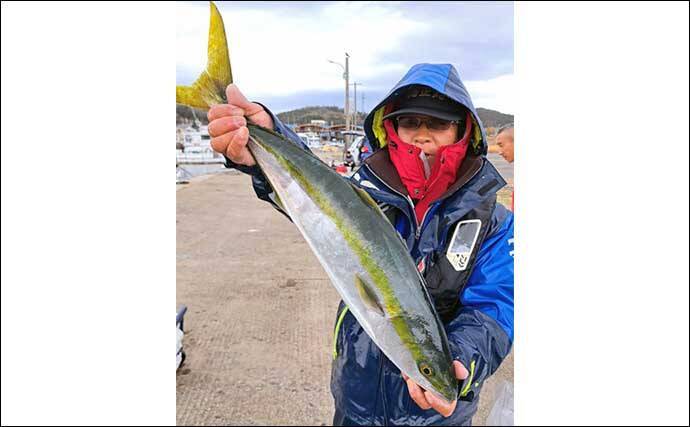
x=504 y=140
x=429 y=140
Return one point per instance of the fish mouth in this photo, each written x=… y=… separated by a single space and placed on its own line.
x=447 y=392
x=450 y=396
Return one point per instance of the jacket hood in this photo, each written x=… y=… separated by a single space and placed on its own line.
x=444 y=79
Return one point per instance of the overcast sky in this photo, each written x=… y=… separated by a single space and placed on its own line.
x=280 y=51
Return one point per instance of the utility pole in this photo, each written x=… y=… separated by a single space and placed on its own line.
x=346 y=110
x=347 y=102
x=363 y=109
x=355 y=114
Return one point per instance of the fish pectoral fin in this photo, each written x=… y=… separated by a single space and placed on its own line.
x=209 y=88
x=366 y=198
x=368 y=296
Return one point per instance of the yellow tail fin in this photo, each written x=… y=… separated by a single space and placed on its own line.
x=209 y=88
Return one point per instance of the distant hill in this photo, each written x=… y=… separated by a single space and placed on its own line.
x=492 y=118
x=334 y=115
x=186 y=114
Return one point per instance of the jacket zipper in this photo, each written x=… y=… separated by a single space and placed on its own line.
x=418 y=226
x=435 y=202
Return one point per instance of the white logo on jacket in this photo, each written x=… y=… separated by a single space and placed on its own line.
x=463 y=242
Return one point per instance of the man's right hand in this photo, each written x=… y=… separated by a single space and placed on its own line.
x=228 y=125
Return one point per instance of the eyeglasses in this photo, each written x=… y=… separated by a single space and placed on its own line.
x=414 y=122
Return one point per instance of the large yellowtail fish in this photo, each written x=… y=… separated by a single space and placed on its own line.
x=358 y=248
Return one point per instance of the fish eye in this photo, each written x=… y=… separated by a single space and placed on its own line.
x=426 y=370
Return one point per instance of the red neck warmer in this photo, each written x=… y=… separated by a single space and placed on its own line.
x=410 y=167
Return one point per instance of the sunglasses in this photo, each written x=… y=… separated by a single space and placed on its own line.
x=414 y=122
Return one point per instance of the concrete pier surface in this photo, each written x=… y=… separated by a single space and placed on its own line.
x=261 y=312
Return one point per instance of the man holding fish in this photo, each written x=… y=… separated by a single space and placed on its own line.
x=430 y=177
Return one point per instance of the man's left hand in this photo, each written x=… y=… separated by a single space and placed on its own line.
x=426 y=400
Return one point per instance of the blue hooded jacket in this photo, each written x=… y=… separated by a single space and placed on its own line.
x=367 y=388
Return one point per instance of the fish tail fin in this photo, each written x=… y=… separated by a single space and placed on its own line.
x=209 y=88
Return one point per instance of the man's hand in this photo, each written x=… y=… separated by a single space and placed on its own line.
x=228 y=125
x=426 y=400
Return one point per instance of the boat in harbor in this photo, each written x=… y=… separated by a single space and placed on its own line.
x=312 y=139
x=196 y=146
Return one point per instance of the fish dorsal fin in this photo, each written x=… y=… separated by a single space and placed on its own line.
x=209 y=88
x=368 y=296
x=366 y=198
